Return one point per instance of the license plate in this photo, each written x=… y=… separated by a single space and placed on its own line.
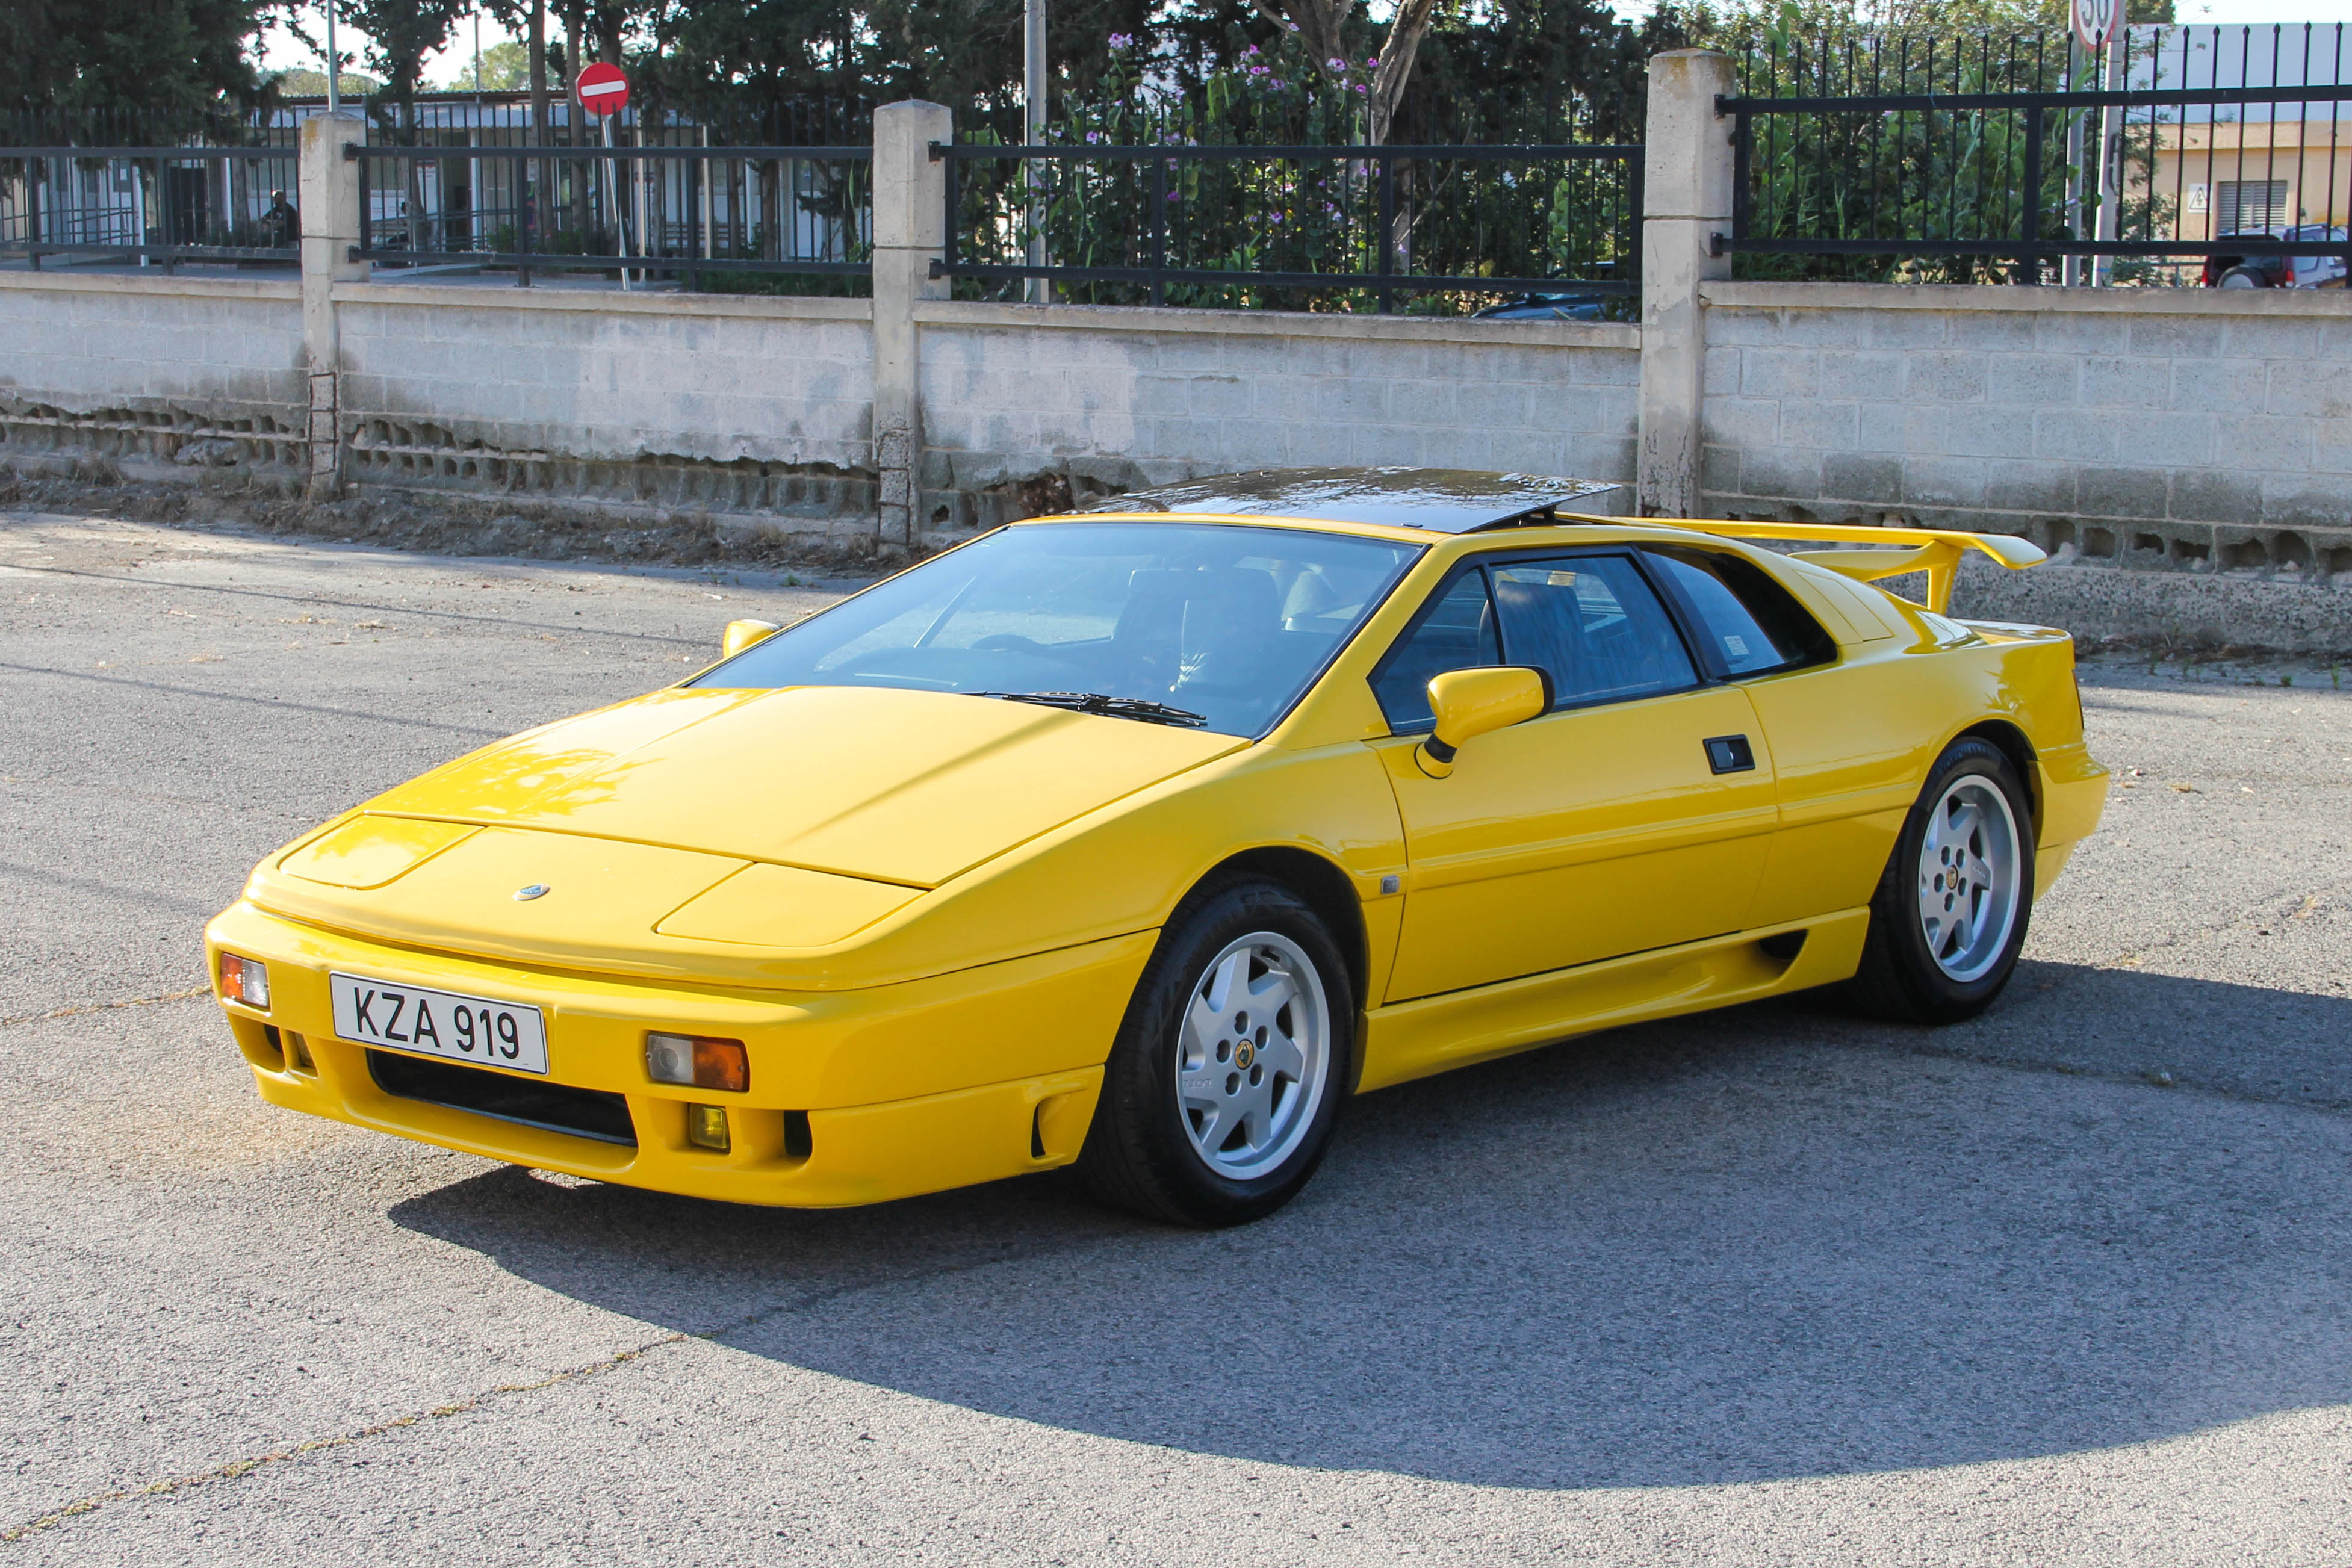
x=438 y=1024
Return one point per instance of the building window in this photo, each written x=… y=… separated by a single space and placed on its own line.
x=2239 y=205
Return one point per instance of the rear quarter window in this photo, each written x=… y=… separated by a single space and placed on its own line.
x=1748 y=624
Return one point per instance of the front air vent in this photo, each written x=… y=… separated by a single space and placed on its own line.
x=580 y=1112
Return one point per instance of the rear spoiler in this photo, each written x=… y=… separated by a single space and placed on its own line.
x=1936 y=551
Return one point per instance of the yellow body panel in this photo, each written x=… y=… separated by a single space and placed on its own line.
x=925 y=914
x=1577 y=836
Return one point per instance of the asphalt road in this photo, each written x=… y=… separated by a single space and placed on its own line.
x=2067 y=1285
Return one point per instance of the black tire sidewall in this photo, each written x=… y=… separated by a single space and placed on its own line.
x=1933 y=994
x=1139 y=1123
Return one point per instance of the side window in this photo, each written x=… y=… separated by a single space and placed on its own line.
x=1456 y=632
x=1593 y=623
x=1750 y=623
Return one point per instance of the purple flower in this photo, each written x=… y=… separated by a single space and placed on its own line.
x=1260 y=71
x=1362 y=88
x=1278 y=84
x=1372 y=64
x=1336 y=63
x=1121 y=41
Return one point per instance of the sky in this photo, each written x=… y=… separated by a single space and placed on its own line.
x=281 y=52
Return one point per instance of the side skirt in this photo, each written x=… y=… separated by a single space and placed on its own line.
x=1406 y=1041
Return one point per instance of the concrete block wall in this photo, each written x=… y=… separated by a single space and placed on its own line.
x=1117 y=398
x=2170 y=429
x=151 y=368
x=721 y=403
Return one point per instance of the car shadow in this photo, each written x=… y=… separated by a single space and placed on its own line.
x=1769 y=1243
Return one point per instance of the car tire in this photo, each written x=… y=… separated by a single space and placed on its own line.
x=1951 y=912
x=1226 y=1079
x=2242 y=277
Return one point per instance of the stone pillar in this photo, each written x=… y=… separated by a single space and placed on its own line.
x=1686 y=201
x=910 y=232
x=329 y=194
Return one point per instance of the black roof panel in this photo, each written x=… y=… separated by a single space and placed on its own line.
x=1441 y=500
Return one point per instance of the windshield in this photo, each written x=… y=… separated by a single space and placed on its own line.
x=1225 y=623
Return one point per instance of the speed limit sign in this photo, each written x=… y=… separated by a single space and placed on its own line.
x=2094 y=22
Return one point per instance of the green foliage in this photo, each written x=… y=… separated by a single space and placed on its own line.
x=314 y=84
x=1923 y=174
x=1307 y=215
x=399 y=34
x=506 y=68
x=181 y=60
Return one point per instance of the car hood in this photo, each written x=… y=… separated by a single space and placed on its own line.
x=715 y=831
x=904 y=787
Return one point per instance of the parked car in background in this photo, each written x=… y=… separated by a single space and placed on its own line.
x=2278 y=271
x=1547 y=308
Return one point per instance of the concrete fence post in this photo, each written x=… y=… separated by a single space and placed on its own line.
x=327 y=191
x=1686 y=200
x=910 y=232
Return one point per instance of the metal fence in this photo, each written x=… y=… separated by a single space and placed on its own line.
x=145 y=188
x=462 y=183
x=715 y=217
x=2016 y=159
x=1439 y=228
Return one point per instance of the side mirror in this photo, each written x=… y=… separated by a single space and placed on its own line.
x=1470 y=703
x=741 y=634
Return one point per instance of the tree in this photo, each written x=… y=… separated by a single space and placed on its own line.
x=1322 y=27
x=401 y=33
x=505 y=67
x=184 y=59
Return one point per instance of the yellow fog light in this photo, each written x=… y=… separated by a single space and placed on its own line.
x=706 y=1127
x=245 y=980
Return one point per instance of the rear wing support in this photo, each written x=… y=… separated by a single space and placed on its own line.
x=1896 y=551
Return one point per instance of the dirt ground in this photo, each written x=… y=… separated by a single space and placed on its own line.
x=530 y=529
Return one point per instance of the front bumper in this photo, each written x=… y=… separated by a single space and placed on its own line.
x=855 y=1096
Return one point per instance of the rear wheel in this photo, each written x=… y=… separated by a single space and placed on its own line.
x=1224 y=1083
x=1951 y=912
x=2242 y=277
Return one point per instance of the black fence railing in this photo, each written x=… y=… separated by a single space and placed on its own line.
x=151 y=205
x=2012 y=160
x=715 y=217
x=758 y=195
x=1443 y=228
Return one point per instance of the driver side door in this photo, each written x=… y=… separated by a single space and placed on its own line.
x=1635 y=814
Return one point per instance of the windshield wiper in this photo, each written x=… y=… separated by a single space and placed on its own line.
x=1107 y=706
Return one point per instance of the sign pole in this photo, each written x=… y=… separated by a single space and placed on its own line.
x=2072 y=273
x=1034 y=88
x=334 y=66
x=604 y=92
x=2094 y=28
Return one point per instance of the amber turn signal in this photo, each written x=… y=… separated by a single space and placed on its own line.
x=706 y=1127
x=245 y=980
x=698 y=1062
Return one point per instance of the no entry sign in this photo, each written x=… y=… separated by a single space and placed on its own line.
x=602 y=89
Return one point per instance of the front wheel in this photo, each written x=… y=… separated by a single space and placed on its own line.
x=1225 y=1082
x=1949 y=916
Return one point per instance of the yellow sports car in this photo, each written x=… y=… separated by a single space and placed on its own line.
x=1140 y=841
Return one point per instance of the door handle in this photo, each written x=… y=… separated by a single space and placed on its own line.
x=1730 y=754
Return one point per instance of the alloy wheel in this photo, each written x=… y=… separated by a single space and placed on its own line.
x=1254 y=1055
x=1969 y=874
